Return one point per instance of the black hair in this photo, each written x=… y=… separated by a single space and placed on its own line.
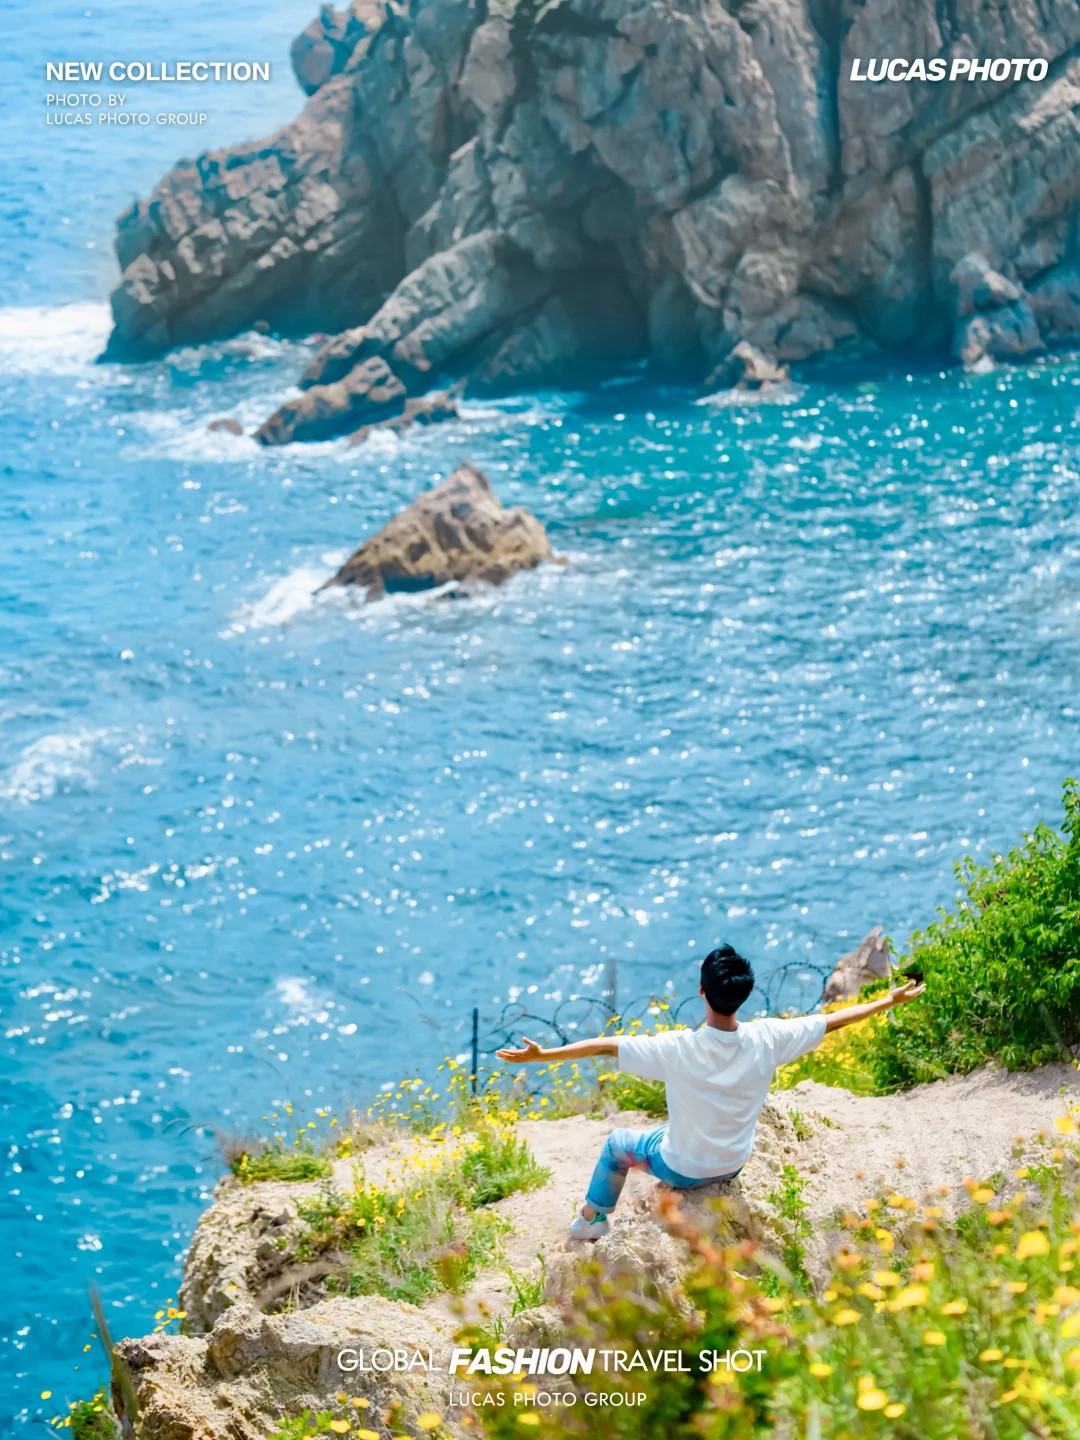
x=727 y=979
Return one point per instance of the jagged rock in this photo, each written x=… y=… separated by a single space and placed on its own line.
x=254 y=1370
x=1006 y=334
x=869 y=961
x=718 y=163
x=227 y=426
x=1055 y=300
x=369 y=392
x=458 y=531
x=747 y=367
x=325 y=47
x=995 y=315
x=979 y=287
x=428 y=410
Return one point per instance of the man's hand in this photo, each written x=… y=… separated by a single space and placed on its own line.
x=837 y=1019
x=530 y=1052
x=911 y=991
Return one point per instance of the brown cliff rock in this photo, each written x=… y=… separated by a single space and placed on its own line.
x=867 y=962
x=428 y=410
x=458 y=531
x=252 y=1370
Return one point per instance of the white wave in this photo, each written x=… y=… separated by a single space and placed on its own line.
x=784 y=392
x=185 y=435
x=54 y=761
x=287 y=598
x=52 y=339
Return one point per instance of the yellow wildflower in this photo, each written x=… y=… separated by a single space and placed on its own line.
x=872 y=1292
x=934 y=1337
x=819 y=1369
x=989 y=1356
x=983 y=1195
x=1066 y=1294
x=340 y=1427
x=872 y=1400
x=1032 y=1243
x=895 y=1410
x=431 y=1421
x=908 y=1297
x=528 y=1417
x=846 y=1317
x=1064 y=1124
x=955 y=1307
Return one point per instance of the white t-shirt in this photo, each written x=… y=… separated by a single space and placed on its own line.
x=717 y=1081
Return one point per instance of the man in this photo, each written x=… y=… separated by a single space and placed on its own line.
x=717 y=1080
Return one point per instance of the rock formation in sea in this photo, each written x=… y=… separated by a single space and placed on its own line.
x=525 y=192
x=869 y=961
x=457 y=531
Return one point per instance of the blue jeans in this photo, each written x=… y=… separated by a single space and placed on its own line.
x=626 y=1150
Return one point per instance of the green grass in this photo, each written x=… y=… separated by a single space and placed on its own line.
x=791 y=1206
x=528 y=1289
x=500 y=1165
x=433 y=1231
x=291 y=1166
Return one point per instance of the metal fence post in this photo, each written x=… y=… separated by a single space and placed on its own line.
x=475 y=1045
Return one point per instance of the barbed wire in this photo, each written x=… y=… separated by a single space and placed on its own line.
x=797 y=987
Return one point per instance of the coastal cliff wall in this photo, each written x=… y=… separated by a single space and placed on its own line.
x=519 y=191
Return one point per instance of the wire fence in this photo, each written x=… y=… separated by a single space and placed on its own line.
x=795 y=988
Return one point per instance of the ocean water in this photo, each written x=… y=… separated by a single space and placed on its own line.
x=259 y=843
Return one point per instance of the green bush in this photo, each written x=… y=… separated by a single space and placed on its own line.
x=923 y=1331
x=91 y=1419
x=1002 y=969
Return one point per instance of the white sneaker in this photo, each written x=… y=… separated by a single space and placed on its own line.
x=582 y=1229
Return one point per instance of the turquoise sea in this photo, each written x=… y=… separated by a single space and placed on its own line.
x=257 y=845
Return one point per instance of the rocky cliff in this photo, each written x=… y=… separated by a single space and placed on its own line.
x=529 y=191
x=242 y=1369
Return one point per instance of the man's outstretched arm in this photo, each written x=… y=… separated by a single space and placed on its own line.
x=530 y=1051
x=854 y=1013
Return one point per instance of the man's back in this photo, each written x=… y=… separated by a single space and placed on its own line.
x=717 y=1081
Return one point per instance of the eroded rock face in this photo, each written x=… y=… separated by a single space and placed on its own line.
x=995 y=316
x=458 y=531
x=252 y=1370
x=466 y=177
x=427 y=410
